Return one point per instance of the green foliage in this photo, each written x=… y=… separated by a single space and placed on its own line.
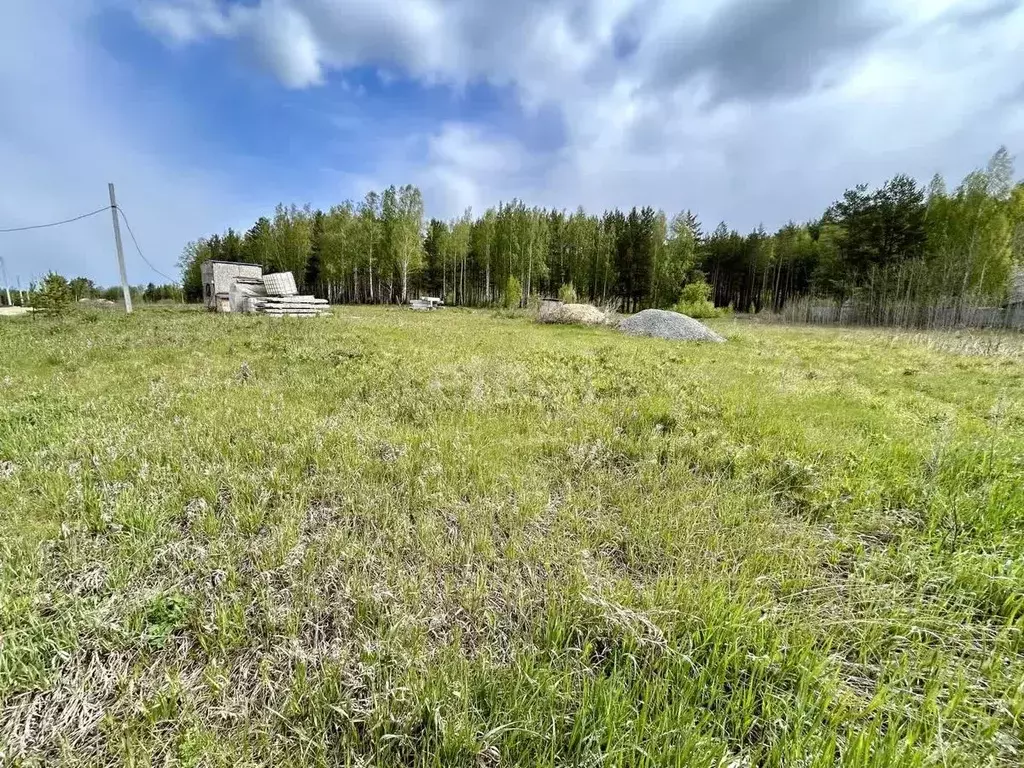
x=53 y=295
x=167 y=292
x=695 y=293
x=678 y=257
x=312 y=279
x=190 y=264
x=567 y=294
x=82 y=288
x=923 y=247
x=513 y=295
x=165 y=615
x=695 y=301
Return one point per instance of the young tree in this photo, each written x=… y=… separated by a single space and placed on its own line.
x=483 y=237
x=513 y=293
x=679 y=258
x=404 y=221
x=81 y=288
x=340 y=254
x=52 y=297
x=190 y=266
x=258 y=245
x=291 y=232
x=369 y=236
x=461 y=231
x=231 y=247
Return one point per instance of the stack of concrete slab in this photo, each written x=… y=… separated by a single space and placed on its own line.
x=287 y=306
x=280 y=284
x=426 y=303
x=242 y=289
x=282 y=299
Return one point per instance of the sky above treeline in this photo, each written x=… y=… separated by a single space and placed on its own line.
x=206 y=113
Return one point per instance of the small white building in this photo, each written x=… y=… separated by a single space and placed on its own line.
x=219 y=276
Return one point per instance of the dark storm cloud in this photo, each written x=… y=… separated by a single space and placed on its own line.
x=763 y=50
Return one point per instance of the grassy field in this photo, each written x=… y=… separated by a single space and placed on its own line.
x=464 y=539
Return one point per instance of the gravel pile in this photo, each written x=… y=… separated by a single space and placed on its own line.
x=667 y=325
x=571 y=314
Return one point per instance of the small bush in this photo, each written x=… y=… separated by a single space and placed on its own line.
x=513 y=293
x=695 y=301
x=695 y=293
x=53 y=296
x=567 y=294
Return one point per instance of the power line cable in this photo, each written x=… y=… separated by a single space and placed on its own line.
x=56 y=223
x=137 y=248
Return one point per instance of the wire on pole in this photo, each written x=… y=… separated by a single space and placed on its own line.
x=120 y=210
x=137 y=248
x=56 y=223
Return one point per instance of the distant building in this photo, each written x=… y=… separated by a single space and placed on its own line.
x=219 y=276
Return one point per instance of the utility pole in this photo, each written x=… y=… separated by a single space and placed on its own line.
x=7 y=288
x=120 y=252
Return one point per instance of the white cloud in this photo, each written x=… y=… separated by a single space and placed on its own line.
x=285 y=42
x=187 y=21
x=465 y=166
x=655 y=103
x=535 y=45
x=74 y=119
x=756 y=113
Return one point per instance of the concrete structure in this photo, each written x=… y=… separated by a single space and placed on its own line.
x=280 y=284
x=219 y=276
x=426 y=302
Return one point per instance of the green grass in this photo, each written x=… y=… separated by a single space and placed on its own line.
x=464 y=539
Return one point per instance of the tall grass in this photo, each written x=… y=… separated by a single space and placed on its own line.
x=872 y=310
x=394 y=538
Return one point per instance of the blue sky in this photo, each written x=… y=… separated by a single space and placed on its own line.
x=206 y=113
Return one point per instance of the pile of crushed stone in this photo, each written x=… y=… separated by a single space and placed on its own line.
x=667 y=325
x=571 y=314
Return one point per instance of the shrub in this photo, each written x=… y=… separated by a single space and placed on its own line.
x=567 y=294
x=695 y=293
x=513 y=293
x=695 y=301
x=53 y=296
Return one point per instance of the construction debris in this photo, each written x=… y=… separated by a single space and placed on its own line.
x=426 y=303
x=663 y=324
x=570 y=314
x=287 y=306
x=280 y=284
x=243 y=288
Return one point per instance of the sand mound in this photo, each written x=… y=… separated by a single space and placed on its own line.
x=667 y=325
x=571 y=314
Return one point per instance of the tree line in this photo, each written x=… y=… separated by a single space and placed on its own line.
x=921 y=243
x=79 y=288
